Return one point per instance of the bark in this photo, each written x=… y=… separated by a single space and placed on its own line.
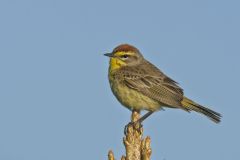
x=137 y=147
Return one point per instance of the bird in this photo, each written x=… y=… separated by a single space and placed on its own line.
x=139 y=85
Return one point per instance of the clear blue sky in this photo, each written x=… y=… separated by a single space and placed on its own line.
x=55 y=100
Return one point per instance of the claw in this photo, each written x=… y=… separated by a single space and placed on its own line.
x=126 y=127
x=134 y=125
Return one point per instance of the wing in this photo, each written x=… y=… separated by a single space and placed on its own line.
x=150 y=81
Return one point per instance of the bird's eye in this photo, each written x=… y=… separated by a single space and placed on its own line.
x=125 y=56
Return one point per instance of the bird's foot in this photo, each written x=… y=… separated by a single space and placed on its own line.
x=135 y=125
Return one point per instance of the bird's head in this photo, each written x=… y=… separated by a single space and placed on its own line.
x=124 y=55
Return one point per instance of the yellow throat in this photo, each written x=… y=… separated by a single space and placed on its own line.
x=116 y=63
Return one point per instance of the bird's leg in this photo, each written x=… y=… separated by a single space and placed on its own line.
x=134 y=118
x=145 y=116
x=139 y=121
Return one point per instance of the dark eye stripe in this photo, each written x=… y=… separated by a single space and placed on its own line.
x=125 y=56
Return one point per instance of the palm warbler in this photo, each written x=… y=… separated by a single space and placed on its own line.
x=139 y=85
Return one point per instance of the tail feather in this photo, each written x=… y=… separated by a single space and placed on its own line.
x=192 y=106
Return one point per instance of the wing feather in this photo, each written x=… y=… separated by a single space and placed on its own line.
x=150 y=81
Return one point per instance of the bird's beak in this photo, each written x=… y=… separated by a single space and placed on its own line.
x=108 y=54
